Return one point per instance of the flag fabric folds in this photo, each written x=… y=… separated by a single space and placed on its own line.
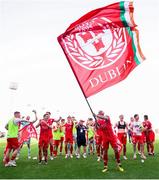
x=102 y=47
x=26 y=133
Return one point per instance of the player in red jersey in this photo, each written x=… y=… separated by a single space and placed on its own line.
x=50 y=123
x=149 y=134
x=122 y=127
x=44 y=138
x=69 y=136
x=98 y=137
x=108 y=137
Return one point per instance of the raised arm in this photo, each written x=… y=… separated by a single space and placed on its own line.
x=58 y=119
x=36 y=118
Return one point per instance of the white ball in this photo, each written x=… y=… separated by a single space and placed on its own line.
x=142 y=160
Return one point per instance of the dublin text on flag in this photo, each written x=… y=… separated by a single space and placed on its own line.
x=102 y=47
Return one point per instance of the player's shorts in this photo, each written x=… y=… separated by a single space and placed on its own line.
x=81 y=142
x=138 y=139
x=69 y=139
x=43 y=142
x=62 y=139
x=98 y=140
x=150 y=137
x=56 y=142
x=50 y=136
x=12 y=143
x=110 y=140
x=122 y=138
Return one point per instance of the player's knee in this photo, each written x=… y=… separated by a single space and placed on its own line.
x=116 y=150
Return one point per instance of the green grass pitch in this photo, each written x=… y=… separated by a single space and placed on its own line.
x=61 y=168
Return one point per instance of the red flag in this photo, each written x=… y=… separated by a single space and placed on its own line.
x=102 y=47
x=26 y=133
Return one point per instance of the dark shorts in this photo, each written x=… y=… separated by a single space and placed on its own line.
x=81 y=142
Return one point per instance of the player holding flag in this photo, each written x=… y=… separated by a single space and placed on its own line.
x=108 y=137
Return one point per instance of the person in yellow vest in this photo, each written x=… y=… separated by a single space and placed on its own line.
x=12 y=139
x=91 y=134
x=56 y=137
x=75 y=135
x=62 y=135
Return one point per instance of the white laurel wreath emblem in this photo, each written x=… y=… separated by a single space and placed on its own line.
x=97 y=61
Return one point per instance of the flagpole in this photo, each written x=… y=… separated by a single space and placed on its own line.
x=83 y=92
x=78 y=82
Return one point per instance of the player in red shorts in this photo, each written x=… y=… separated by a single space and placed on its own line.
x=12 y=139
x=98 y=137
x=56 y=137
x=108 y=137
x=50 y=123
x=122 y=127
x=137 y=128
x=149 y=134
x=69 y=136
x=44 y=138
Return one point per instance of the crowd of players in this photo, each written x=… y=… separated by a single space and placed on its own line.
x=70 y=135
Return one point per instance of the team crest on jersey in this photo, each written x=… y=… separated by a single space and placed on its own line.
x=99 y=48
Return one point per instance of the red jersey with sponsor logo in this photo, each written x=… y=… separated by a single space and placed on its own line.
x=99 y=130
x=44 y=130
x=147 y=124
x=107 y=130
x=69 y=130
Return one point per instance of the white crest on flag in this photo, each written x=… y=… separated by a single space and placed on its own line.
x=96 y=49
